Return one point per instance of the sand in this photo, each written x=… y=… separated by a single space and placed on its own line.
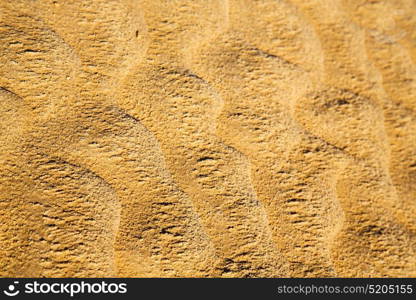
x=229 y=138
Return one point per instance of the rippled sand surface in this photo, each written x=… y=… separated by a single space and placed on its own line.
x=229 y=138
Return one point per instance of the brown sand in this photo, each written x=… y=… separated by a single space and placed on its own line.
x=208 y=138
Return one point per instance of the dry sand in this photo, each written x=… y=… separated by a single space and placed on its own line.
x=208 y=138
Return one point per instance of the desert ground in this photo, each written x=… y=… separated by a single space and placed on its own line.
x=208 y=138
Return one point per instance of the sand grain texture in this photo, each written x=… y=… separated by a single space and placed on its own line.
x=229 y=138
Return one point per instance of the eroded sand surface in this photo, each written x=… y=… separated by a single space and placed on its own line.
x=208 y=138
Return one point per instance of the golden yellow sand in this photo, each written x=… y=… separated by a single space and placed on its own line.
x=229 y=138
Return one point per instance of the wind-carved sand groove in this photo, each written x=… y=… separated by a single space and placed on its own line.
x=42 y=235
x=207 y=138
x=262 y=124
x=396 y=101
x=52 y=246
x=149 y=198
x=89 y=207
x=398 y=87
x=366 y=213
x=144 y=241
x=213 y=174
x=157 y=220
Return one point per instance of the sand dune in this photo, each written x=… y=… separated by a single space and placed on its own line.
x=229 y=138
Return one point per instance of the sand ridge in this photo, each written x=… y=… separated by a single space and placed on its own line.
x=231 y=138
